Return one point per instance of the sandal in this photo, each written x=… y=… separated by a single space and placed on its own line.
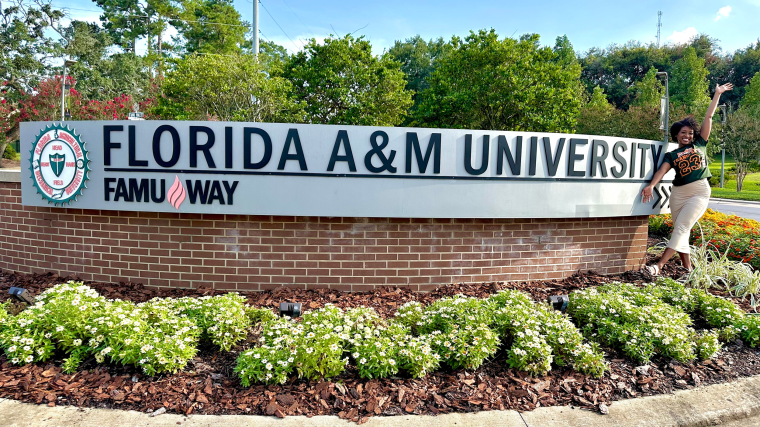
x=653 y=270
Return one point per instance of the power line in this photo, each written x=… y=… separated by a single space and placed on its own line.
x=298 y=17
x=278 y=24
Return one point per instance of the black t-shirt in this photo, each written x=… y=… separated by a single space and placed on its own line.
x=689 y=162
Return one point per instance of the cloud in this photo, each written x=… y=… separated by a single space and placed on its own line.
x=682 y=37
x=723 y=12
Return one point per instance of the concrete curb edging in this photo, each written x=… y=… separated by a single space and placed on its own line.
x=704 y=406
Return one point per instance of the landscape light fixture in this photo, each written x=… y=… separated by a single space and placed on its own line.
x=290 y=309
x=22 y=295
x=559 y=302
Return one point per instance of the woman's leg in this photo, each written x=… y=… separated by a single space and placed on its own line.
x=665 y=257
x=685 y=260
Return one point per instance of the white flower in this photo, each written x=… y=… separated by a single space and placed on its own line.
x=27 y=348
x=29 y=359
x=392 y=362
x=269 y=366
x=77 y=342
x=355 y=355
x=59 y=329
x=11 y=349
x=363 y=361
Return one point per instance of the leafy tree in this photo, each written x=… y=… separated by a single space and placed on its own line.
x=210 y=26
x=688 y=82
x=742 y=140
x=507 y=84
x=418 y=59
x=648 y=90
x=272 y=56
x=26 y=54
x=751 y=100
x=230 y=87
x=341 y=82
x=599 y=117
x=98 y=75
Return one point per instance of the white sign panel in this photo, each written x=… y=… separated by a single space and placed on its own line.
x=336 y=171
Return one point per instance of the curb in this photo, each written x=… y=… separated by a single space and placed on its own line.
x=741 y=202
x=704 y=406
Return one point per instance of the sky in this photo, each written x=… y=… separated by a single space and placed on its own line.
x=587 y=23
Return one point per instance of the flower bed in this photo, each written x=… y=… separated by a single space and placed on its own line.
x=735 y=236
x=162 y=335
x=209 y=385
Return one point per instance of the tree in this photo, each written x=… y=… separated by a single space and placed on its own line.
x=26 y=52
x=272 y=57
x=230 y=87
x=487 y=83
x=341 y=82
x=751 y=100
x=599 y=117
x=648 y=90
x=210 y=26
x=742 y=141
x=418 y=60
x=688 y=82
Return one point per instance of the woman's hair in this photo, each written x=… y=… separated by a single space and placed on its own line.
x=687 y=122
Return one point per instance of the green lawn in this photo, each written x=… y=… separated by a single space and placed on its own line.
x=750 y=190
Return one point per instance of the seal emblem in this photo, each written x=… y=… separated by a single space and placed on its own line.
x=59 y=164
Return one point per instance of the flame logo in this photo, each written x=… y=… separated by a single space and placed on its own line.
x=176 y=193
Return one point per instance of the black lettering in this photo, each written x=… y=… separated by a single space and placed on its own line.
x=503 y=149
x=107 y=144
x=599 y=159
x=468 y=155
x=121 y=191
x=216 y=193
x=247 y=132
x=620 y=159
x=574 y=157
x=298 y=155
x=138 y=191
x=342 y=139
x=228 y=147
x=205 y=148
x=656 y=155
x=533 y=154
x=107 y=187
x=133 y=149
x=633 y=160
x=153 y=195
x=157 y=146
x=433 y=148
x=197 y=192
x=643 y=166
x=230 y=190
x=552 y=164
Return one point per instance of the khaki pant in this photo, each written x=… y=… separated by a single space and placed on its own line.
x=687 y=204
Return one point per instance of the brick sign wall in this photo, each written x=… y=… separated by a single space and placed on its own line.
x=260 y=252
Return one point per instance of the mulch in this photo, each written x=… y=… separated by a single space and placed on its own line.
x=208 y=385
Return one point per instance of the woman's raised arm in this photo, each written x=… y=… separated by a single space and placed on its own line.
x=707 y=123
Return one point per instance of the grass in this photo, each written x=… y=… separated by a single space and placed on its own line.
x=750 y=190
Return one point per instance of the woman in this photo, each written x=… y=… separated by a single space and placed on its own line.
x=691 y=191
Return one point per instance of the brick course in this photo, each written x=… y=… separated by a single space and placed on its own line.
x=261 y=252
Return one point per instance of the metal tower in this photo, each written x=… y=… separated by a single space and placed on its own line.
x=659 y=25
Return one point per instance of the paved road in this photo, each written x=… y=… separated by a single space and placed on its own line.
x=736 y=207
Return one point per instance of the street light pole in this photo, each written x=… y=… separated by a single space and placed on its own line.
x=722 y=142
x=666 y=106
x=66 y=63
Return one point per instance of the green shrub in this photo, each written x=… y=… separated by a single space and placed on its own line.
x=10 y=153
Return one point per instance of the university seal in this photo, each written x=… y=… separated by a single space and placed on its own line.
x=59 y=164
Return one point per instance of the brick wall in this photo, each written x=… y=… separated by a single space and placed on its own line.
x=261 y=252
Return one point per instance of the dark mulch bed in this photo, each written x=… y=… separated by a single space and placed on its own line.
x=208 y=386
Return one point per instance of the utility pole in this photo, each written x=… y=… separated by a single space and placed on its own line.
x=659 y=25
x=255 y=28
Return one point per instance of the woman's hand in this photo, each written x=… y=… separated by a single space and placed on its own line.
x=719 y=89
x=646 y=194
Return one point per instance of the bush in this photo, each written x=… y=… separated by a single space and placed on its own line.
x=10 y=153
